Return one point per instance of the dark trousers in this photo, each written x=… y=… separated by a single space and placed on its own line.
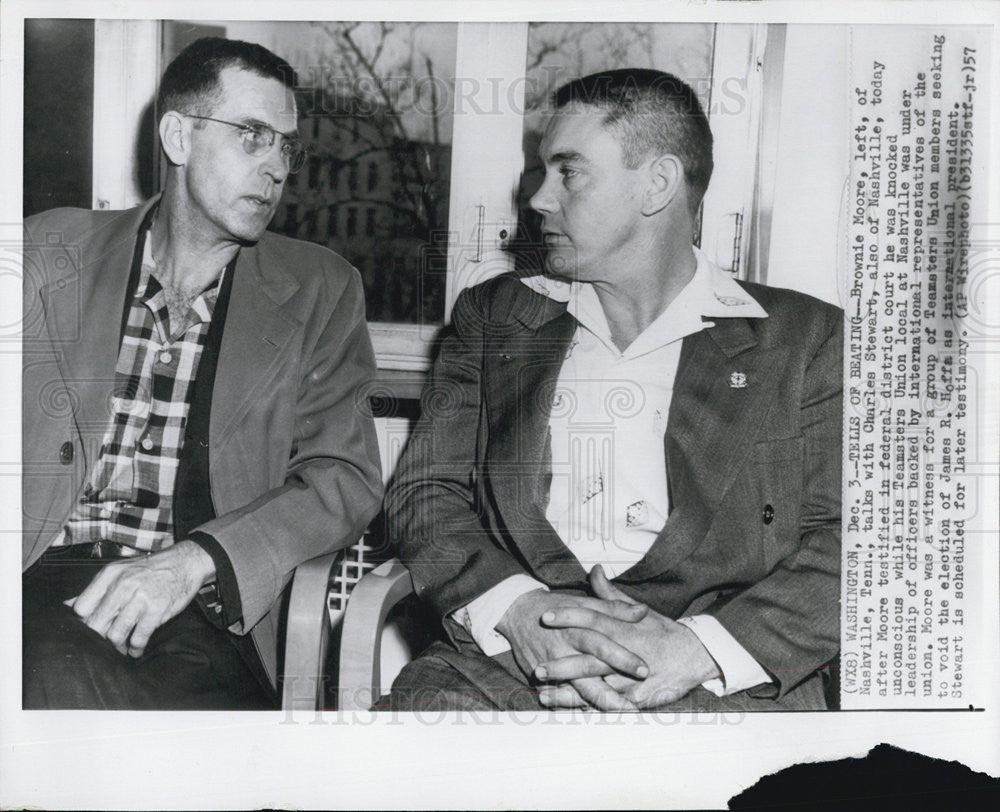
x=446 y=679
x=189 y=664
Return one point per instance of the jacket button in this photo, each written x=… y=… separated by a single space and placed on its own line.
x=768 y=514
x=66 y=453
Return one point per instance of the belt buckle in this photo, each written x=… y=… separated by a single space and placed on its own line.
x=104 y=549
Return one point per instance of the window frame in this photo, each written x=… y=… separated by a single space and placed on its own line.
x=486 y=160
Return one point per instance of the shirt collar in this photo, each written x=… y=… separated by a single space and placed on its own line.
x=148 y=263
x=710 y=294
x=723 y=296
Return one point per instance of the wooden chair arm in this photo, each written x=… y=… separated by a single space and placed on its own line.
x=371 y=601
x=307 y=635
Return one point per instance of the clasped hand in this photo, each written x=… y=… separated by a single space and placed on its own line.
x=130 y=599
x=608 y=652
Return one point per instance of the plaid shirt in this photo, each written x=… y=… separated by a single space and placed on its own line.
x=128 y=496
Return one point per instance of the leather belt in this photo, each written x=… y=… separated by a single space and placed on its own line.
x=91 y=551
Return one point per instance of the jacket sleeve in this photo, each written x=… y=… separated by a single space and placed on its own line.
x=790 y=620
x=433 y=512
x=332 y=487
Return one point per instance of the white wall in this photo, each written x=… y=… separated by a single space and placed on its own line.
x=812 y=162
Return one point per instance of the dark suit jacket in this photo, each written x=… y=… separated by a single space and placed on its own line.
x=292 y=460
x=466 y=507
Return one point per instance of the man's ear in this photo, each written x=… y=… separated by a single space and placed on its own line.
x=666 y=184
x=175 y=137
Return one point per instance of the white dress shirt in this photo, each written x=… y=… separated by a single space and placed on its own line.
x=608 y=498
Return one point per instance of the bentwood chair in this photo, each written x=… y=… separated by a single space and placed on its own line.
x=322 y=590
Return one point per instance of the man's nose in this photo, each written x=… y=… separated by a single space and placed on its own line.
x=275 y=164
x=543 y=200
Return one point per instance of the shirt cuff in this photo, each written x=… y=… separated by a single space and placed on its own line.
x=739 y=670
x=221 y=597
x=480 y=617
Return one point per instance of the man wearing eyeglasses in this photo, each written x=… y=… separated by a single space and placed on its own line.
x=193 y=426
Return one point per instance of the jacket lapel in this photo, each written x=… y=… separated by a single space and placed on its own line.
x=256 y=327
x=520 y=375
x=83 y=316
x=712 y=427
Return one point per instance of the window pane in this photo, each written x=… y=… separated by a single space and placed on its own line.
x=375 y=102
x=58 y=113
x=559 y=52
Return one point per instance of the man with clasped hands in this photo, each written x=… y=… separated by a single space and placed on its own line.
x=624 y=490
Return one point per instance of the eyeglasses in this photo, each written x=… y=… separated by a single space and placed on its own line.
x=259 y=138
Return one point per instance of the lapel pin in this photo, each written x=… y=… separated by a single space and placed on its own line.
x=738 y=380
